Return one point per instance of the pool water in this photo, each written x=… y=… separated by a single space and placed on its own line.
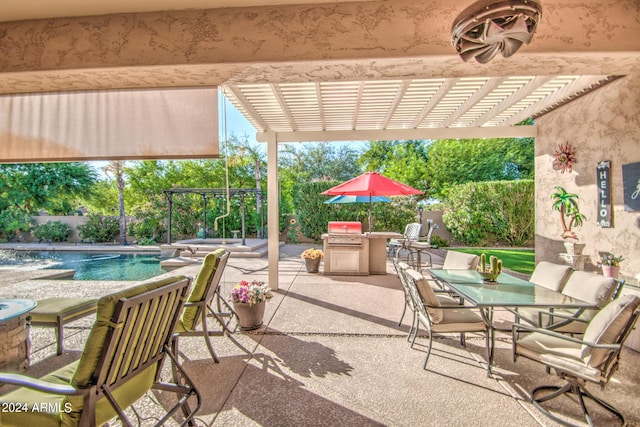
x=88 y=266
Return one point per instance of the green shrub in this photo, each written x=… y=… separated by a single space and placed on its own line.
x=100 y=228
x=313 y=214
x=149 y=225
x=438 y=242
x=485 y=213
x=14 y=220
x=53 y=231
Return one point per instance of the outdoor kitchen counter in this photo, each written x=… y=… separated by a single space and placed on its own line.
x=378 y=250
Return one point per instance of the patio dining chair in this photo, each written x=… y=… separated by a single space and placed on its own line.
x=411 y=233
x=439 y=318
x=120 y=363
x=585 y=286
x=205 y=301
x=442 y=296
x=593 y=359
x=551 y=276
x=454 y=260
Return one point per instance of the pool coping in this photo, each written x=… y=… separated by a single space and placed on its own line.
x=81 y=247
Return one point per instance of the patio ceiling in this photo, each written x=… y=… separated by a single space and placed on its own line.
x=409 y=104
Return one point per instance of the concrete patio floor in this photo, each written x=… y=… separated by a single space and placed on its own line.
x=331 y=353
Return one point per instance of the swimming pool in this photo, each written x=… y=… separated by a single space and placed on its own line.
x=87 y=266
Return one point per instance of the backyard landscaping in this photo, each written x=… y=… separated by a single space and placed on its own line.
x=520 y=260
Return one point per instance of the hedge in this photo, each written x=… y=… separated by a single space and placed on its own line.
x=486 y=213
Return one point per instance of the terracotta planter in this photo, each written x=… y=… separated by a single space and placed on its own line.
x=610 y=271
x=249 y=316
x=312 y=264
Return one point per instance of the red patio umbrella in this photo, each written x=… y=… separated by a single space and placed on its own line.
x=371 y=184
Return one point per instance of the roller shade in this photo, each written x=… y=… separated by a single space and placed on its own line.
x=109 y=125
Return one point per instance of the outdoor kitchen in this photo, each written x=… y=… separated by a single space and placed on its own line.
x=349 y=251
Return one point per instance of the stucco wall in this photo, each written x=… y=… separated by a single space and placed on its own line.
x=604 y=125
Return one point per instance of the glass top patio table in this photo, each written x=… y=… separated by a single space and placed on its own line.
x=508 y=291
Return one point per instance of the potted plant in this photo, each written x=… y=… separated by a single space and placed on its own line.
x=567 y=205
x=312 y=259
x=249 y=300
x=610 y=264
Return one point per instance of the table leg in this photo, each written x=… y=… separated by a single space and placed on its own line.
x=487 y=316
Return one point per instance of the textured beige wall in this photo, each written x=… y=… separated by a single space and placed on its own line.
x=307 y=42
x=604 y=125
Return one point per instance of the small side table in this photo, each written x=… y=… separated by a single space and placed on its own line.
x=14 y=334
x=575 y=261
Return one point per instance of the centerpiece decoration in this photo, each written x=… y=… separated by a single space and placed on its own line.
x=312 y=259
x=249 y=300
x=610 y=264
x=491 y=271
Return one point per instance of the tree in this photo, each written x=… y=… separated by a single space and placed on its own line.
x=251 y=158
x=452 y=161
x=54 y=187
x=117 y=169
x=404 y=161
x=314 y=162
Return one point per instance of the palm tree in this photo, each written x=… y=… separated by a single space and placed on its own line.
x=117 y=169
x=567 y=205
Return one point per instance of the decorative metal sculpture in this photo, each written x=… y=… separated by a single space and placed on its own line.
x=491 y=26
x=565 y=157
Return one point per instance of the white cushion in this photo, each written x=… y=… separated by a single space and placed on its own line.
x=551 y=276
x=556 y=352
x=460 y=261
x=590 y=287
x=426 y=293
x=606 y=327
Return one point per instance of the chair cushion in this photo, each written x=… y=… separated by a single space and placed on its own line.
x=47 y=310
x=459 y=320
x=460 y=261
x=93 y=348
x=47 y=402
x=188 y=318
x=429 y=297
x=590 y=287
x=606 y=327
x=551 y=276
x=559 y=353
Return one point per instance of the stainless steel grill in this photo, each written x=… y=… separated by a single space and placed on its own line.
x=346 y=249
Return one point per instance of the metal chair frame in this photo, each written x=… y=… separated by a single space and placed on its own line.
x=575 y=384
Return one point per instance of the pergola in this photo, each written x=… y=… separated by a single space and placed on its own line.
x=322 y=70
x=205 y=193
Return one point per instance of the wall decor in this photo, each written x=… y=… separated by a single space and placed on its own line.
x=603 y=176
x=631 y=186
x=564 y=158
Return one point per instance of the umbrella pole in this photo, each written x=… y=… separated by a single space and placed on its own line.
x=370 y=207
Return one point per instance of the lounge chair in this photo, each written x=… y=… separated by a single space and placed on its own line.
x=200 y=304
x=121 y=361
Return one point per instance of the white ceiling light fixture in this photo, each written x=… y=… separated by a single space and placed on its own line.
x=490 y=26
